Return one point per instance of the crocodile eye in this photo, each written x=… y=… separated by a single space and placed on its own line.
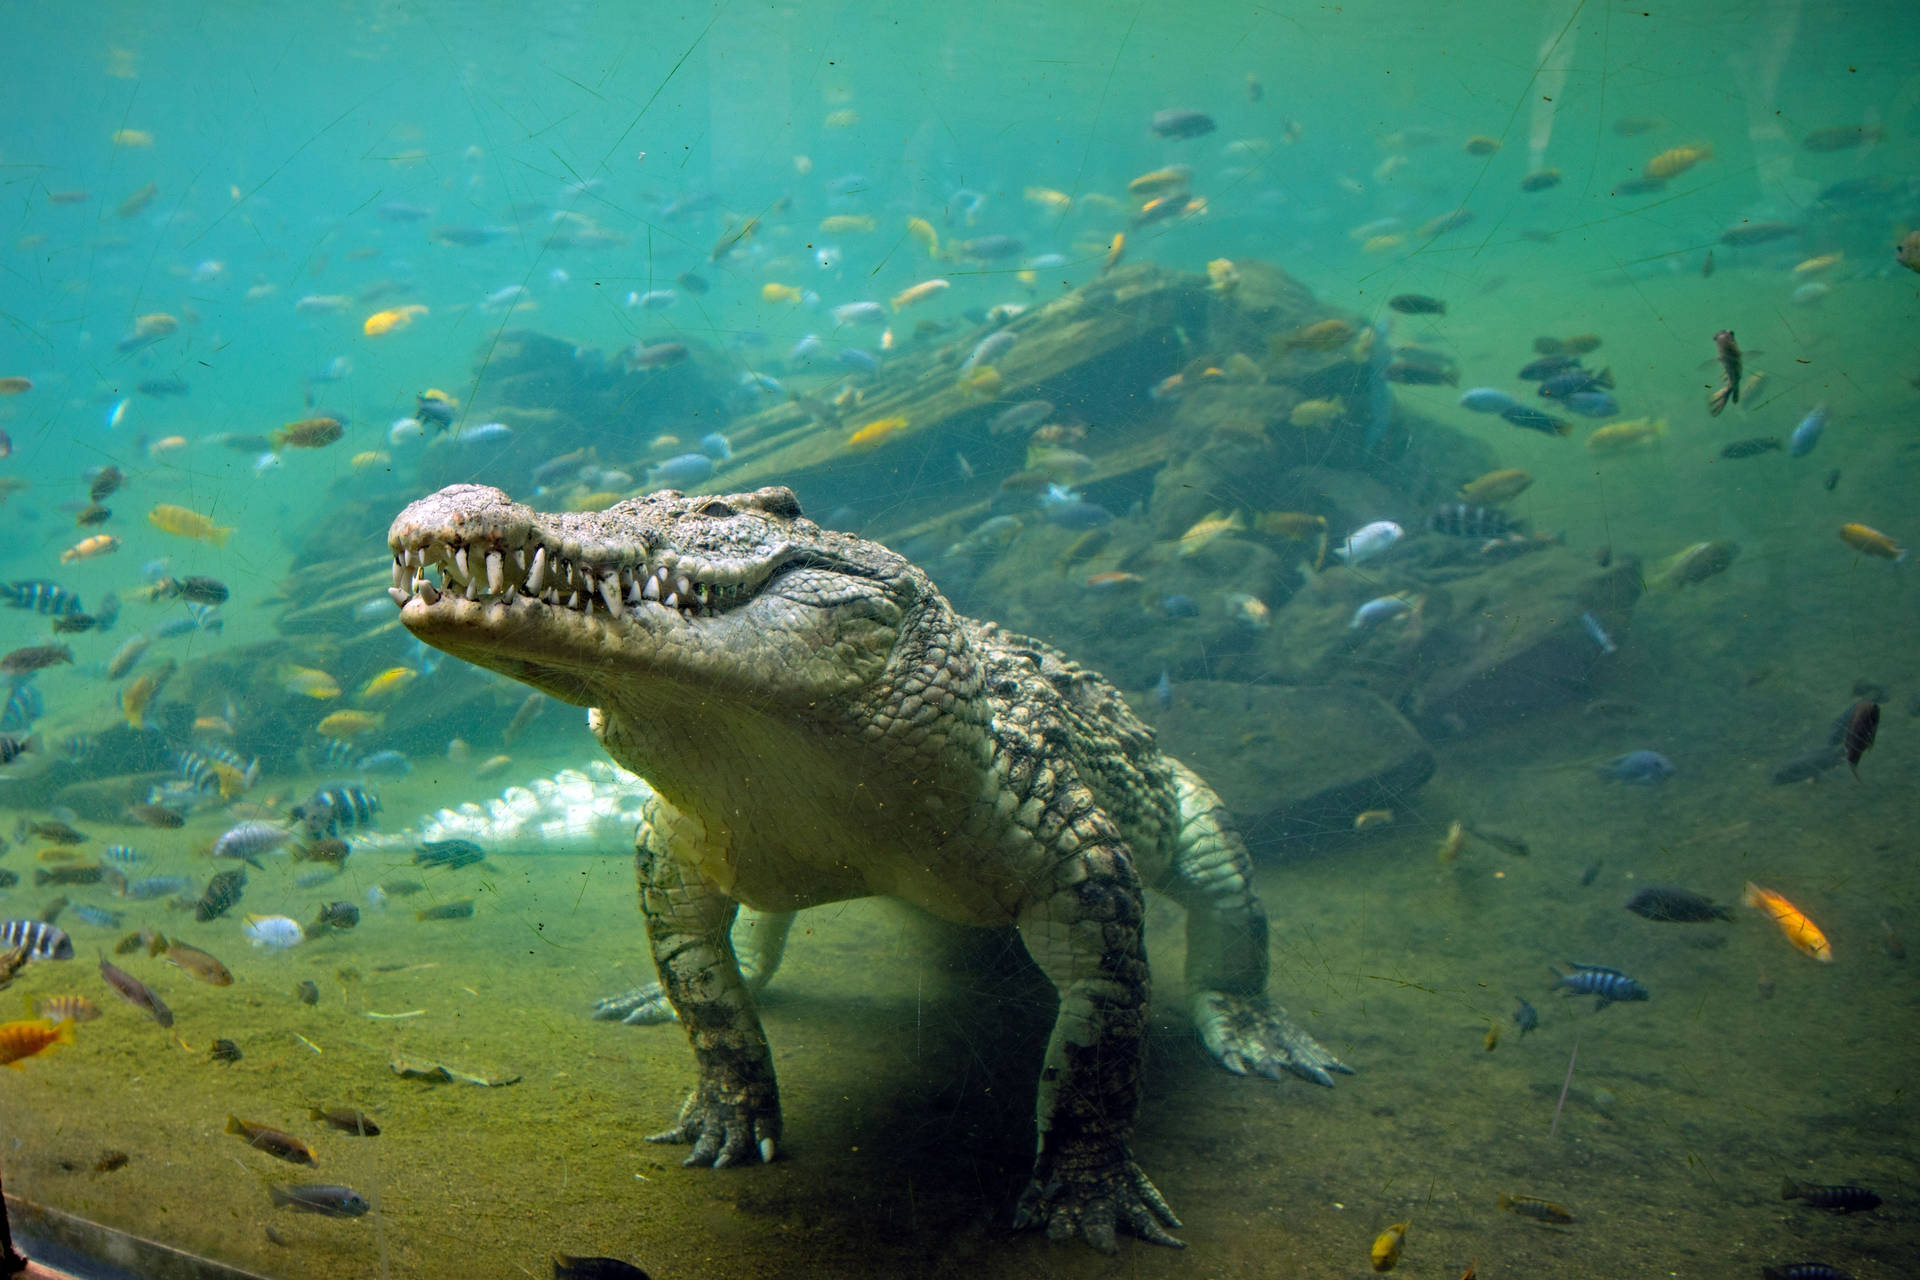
x=717 y=509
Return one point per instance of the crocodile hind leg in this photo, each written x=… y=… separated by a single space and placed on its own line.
x=759 y=941
x=1211 y=875
x=1086 y=937
x=733 y=1113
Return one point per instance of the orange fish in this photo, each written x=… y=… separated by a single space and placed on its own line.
x=24 y=1039
x=87 y=548
x=1872 y=541
x=874 y=432
x=1801 y=932
x=392 y=319
x=919 y=293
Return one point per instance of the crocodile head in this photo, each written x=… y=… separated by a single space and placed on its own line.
x=687 y=621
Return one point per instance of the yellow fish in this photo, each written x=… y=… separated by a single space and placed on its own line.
x=922 y=230
x=388 y=682
x=1205 y=531
x=875 y=432
x=308 y=683
x=919 y=293
x=1373 y=818
x=1295 y=525
x=1616 y=436
x=1048 y=198
x=1871 y=541
x=1383 y=244
x=1803 y=933
x=183 y=523
x=1674 y=162
x=1386 y=1246
x=350 y=724
x=392 y=319
x=132 y=138
x=138 y=696
x=1160 y=181
x=1495 y=487
x=1115 y=252
x=1327 y=335
x=1822 y=263
x=368 y=459
x=772 y=292
x=1316 y=413
x=840 y=224
x=87 y=548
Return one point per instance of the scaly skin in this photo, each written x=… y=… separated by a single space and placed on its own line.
x=818 y=725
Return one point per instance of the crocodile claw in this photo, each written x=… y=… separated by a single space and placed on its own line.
x=640 y=1007
x=1092 y=1207
x=1247 y=1035
x=723 y=1132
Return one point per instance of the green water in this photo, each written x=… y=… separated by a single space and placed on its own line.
x=303 y=152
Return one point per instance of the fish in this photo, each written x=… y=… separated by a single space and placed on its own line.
x=276 y=933
x=1540 y=180
x=308 y=433
x=391 y=320
x=42 y=940
x=1632 y=433
x=1417 y=304
x=1386 y=1246
x=1907 y=252
x=156 y=815
x=1872 y=542
x=1750 y=233
x=1534 y=420
x=1571 y=382
x=1316 y=413
x=875 y=432
x=1296 y=526
x=1207 y=529
x=69 y=1008
x=567 y=1266
x=198 y=964
x=1807 y=434
x=1728 y=351
x=1802 y=932
x=87 y=548
x=1607 y=986
x=135 y=992
x=681 y=471
x=1842 y=137
x=1376 y=611
x=448 y=854
x=459 y=910
x=1525 y=1016
x=1843 y=1198
x=57 y=831
x=88 y=873
x=1181 y=122
x=22 y=1040
x=1418 y=373
x=1638 y=768
x=1368 y=542
x=1496 y=487
x=247 y=841
x=36 y=658
x=919 y=293
x=1672 y=905
x=336 y=808
x=275 y=1142
x=1323 y=335
x=328 y=1201
x=1695 y=564
x=40 y=596
x=1751 y=448
x=184 y=523
x=1028 y=413
x=656 y=355
x=1464 y=520
x=1675 y=161
x=307 y=682
x=1855 y=731
x=307 y=992
x=1487 y=400
x=1804 y=1271
x=388 y=683
x=1372 y=818
x=335 y=915
x=1161 y=181
x=223 y=891
x=346 y=1120
x=1549 y=366
x=1535 y=1208
x=351 y=724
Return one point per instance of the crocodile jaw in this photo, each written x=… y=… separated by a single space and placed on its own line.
x=626 y=608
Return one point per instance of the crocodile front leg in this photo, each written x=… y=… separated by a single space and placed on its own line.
x=733 y=1112
x=1086 y=937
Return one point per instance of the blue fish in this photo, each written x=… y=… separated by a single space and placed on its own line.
x=24 y=705
x=862 y=361
x=716 y=446
x=1638 y=768
x=386 y=764
x=1593 y=404
x=680 y=471
x=1078 y=514
x=1179 y=606
x=123 y=855
x=1607 y=986
x=1807 y=434
x=41 y=596
x=99 y=917
x=1487 y=400
x=1573 y=381
x=157 y=887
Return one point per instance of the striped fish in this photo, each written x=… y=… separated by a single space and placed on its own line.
x=42 y=940
x=24 y=705
x=337 y=808
x=247 y=841
x=1463 y=520
x=41 y=596
x=1607 y=986
x=124 y=855
x=65 y=1009
x=156 y=887
x=97 y=916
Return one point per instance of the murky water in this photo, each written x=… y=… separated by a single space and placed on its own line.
x=469 y=238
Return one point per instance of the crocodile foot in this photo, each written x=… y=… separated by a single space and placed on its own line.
x=640 y=1007
x=726 y=1126
x=1247 y=1034
x=1090 y=1207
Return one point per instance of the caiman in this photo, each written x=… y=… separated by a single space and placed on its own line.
x=819 y=724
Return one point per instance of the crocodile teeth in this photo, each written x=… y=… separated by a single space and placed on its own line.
x=652 y=590
x=429 y=594
x=672 y=601
x=610 y=592
x=537 y=572
x=473 y=589
x=400 y=597
x=682 y=587
x=496 y=573
x=460 y=563
x=400 y=573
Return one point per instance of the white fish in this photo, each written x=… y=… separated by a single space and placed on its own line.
x=277 y=932
x=117 y=414
x=1376 y=611
x=265 y=462
x=859 y=313
x=1368 y=541
x=405 y=429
